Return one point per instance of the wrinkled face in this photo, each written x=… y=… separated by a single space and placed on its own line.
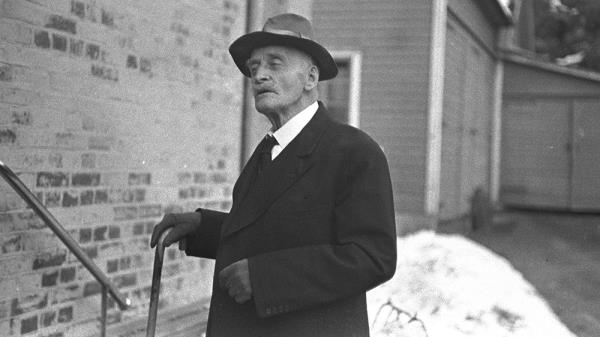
x=279 y=75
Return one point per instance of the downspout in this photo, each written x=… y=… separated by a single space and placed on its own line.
x=496 y=132
x=435 y=107
x=254 y=14
x=505 y=43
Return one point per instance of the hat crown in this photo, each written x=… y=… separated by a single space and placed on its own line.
x=290 y=30
x=289 y=24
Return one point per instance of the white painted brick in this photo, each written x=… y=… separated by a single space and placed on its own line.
x=15 y=32
x=31 y=79
x=86 y=308
x=48 y=331
x=24 y=11
x=19 y=159
x=105 y=89
x=95 y=33
x=123 y=18
x=3 y=52
x=57 y=120
x=67 y=216
x=68 y=102
x=28 y=178
x=16 y=265
x=6 y=326
x=62 y=7
x=83 y=275
x=95 y=215
x=12 y=201
x=5 y=114
x=112 y=161
x=87 y=328
x=49 y=60
x=62 y=294
x=65 y=84
x=41 y=241
x=8 y=284
x=29 y=283
x=71 y=160
x=18 y=96
x=161 y=195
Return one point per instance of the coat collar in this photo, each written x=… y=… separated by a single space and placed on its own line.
x=253 y=195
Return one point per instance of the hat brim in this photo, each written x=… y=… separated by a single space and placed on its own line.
x=241 y=49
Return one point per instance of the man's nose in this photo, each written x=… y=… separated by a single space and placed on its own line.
x=261 y=74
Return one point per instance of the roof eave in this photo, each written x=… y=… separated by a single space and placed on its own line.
x=498 y=13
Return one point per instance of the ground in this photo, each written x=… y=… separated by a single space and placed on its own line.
x=447 y=285
x=559 y=254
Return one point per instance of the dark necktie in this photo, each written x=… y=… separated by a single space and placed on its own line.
x=264 y=154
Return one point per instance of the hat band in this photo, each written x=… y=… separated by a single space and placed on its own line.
x=285 y=32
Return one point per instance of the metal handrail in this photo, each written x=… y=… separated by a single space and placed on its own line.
x=159 y=257
x=72 y=245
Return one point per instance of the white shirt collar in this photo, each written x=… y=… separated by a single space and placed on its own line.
x=288 y=131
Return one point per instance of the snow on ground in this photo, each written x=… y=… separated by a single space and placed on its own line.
x=449 y=286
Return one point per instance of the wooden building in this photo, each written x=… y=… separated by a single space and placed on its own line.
x=429 y=93
x=550 y=136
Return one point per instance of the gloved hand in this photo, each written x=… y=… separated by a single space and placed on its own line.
x=183 y=224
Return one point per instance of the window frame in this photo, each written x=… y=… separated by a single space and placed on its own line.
x=354 y=60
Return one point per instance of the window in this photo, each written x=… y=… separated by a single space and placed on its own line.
x=341 y=95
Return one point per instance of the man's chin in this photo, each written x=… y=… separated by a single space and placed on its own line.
x=263 y=106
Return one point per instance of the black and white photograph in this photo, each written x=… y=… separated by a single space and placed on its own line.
x=307 y=168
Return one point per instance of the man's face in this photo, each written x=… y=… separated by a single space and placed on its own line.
x=279 y=75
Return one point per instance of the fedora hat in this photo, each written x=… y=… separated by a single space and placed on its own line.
x=284 y=30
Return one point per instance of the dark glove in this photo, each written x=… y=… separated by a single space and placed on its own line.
x=183 y=224
x=235 y=279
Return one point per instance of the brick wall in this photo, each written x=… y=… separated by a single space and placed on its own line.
x=112 y=113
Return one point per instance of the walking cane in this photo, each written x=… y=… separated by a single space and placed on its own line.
x=159 y=256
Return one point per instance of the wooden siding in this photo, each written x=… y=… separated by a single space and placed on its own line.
x=551 y=137
x=469 y=14
x=468 y=98
x=520 y=80
x=394 y=38
x=585 y=190
x=535 y=158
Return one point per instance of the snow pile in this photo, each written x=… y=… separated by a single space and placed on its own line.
x=449 y=286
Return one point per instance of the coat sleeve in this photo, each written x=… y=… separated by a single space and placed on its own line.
x=205 y=241
x=361 y=256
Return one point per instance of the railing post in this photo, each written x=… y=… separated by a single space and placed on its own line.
x=104 y=309
x=159 y=256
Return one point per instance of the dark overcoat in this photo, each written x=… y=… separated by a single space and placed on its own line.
x=317 y=227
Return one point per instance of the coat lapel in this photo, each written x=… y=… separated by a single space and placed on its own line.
x=256 y=195
x=244 y=181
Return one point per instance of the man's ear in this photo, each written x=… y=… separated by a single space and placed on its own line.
x=313 y=78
